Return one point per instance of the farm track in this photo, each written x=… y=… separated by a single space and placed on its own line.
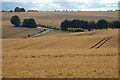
x=100 y=43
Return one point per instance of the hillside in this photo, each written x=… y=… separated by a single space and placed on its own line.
x=62 y=54
x=55 y=18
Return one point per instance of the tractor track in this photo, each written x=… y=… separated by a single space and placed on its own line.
x=100 y=43
x=52 y=43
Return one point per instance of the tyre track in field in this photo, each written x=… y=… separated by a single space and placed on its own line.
x=9 y=41
x=15 y=43
x=53 y=43
x=35 y=43
x=31 y=44
x=21 y=42
x=100 y=43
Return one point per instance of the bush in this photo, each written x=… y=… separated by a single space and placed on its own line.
x=39 y=25
x=44 y=29
x=30 y=23
x=15 y=21
x=28 y=35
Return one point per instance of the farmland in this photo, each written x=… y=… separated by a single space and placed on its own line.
x=59 y=54
x=55 y=18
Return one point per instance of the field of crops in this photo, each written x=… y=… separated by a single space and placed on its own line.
x=58 y=54
x=55 y=18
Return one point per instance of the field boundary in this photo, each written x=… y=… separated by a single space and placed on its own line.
x=39 y=34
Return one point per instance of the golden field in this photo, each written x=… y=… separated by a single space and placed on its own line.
x=59 y=54
x=55 y=18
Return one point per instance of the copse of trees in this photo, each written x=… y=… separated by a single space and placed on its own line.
x=81 y=25
x=17 y=9
x=29 y=23
x=15 y=21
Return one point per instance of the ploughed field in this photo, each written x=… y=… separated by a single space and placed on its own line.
x=60 y=54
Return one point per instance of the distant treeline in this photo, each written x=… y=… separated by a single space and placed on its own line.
x=68 y=25
x=18 y=9
x=81 y=25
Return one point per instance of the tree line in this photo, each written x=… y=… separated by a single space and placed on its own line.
x=68 y=25
x=81 y=25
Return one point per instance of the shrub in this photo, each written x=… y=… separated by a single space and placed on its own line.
x=28 y=35
x=44 y=29
x=15 y=21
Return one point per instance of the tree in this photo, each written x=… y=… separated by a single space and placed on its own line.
x=11 y=10
x=15 y=21
x=65 y=25
x=116 y=24
x=92 y=25
x=102 y=24
x=110 y=25
x=85 y=24
x=17 y=9
x=22 y=10
x=30 y=23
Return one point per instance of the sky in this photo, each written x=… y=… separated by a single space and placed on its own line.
x=44 y=5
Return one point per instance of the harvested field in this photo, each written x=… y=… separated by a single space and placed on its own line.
x=55 y=18
x=18 y=32
x=58 y=54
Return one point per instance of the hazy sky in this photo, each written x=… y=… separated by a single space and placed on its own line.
x=84 y=5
